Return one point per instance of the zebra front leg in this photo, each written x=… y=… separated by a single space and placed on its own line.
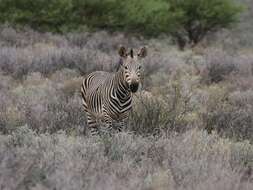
x=122 y=124
x=92 y=125
x=108 y=125
x=113 y=126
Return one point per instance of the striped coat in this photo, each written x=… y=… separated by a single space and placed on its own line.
x=107 y=97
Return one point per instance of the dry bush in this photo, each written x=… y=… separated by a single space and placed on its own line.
x=9 y=115
x=44 y=105
x=102 y=40
x=48 y=59
x=25 y=36
x=47 y=53
x=241 y=121
x=225 y=107
x=192 y=160
x=171 y=107
x=218 y=66
x=148 y=115
x=230 y=114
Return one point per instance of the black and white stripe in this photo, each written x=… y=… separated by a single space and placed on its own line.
x=107 y=97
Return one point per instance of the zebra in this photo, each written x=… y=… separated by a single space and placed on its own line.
x=107 y=97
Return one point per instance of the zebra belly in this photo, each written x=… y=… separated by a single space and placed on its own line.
x=95 y=106
x=117 y=110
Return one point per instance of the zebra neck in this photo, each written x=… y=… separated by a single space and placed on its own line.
x=121 y=88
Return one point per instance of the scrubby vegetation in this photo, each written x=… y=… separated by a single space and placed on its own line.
x=191 y=126
x=194 y=160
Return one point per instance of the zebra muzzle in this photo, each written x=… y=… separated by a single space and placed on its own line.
x=134 y=87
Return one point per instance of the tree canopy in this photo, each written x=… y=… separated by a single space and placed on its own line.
x=188 y=22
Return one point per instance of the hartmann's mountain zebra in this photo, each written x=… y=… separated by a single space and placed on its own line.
x=107 y=97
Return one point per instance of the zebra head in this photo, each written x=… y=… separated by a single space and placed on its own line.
x=132 y=67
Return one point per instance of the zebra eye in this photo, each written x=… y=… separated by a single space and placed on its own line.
x=139 y=67
x=126 y=67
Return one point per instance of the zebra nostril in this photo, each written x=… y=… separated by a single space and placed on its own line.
x=134 y=87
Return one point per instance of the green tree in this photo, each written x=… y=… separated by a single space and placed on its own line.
x=149 y=17
x=187 y=21
x=39 y=14
x=194 y=19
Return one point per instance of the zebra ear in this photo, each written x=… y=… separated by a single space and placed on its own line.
x=131 y=53
x=143 y=52
x=122 y=51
